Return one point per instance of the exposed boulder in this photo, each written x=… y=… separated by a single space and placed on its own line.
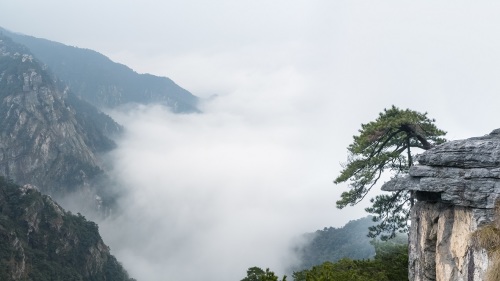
x=457 y=185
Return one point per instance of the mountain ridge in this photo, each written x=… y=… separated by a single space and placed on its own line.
x=102 y=82
x=332 y=244
x=48 y=137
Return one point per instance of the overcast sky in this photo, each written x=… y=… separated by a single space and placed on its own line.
x=295 y=80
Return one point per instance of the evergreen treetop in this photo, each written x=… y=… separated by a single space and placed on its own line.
x=386 y=145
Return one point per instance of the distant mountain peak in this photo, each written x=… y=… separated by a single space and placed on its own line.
x=102 y=82
x=48 y=137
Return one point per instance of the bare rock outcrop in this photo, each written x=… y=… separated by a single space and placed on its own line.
x=457 y=187
x=48 y=137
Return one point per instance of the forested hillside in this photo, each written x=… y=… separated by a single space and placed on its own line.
x=345 y=254
x=40 y=241
x=332 y=244
x=102 y=82
x=389 y=264
x=329 y=257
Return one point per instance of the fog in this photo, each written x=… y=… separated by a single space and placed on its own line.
x=212 y=194
x=208 y=195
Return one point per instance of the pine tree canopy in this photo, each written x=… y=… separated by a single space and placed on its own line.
x=257 y=274
x=386 y=145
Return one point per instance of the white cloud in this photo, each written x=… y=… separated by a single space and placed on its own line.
x=212 y=194
x=215 y=193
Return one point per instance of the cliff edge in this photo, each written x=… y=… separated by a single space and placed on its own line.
x=457 y=187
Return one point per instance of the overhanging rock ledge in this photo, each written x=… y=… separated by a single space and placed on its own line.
x=457 y=186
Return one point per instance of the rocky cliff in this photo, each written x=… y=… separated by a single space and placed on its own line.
x=50 y=140
x=457 y=186
x=48 y=137
x=40 y=241
x=102 y=82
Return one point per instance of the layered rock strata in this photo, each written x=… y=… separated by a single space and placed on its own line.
x=457 y=186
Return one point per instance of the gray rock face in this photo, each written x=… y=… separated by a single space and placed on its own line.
x=44 y=138
x=102 y=82
x=457 y=185
x=470 y=153
x=462 y=173
x=439 y=244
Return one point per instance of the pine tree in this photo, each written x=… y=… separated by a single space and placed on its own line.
x=386 y=145
x=258 y=274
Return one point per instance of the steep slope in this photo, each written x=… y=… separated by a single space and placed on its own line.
x=48 y=137
x=332 y=244
x=102 y=82
x=40 y=241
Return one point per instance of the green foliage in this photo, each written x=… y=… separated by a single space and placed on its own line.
x=257 y=274
x=345 y=270
x=390 y=264
x=332 y=244
x=392 y=257
x=386 y=145
x=52 y=244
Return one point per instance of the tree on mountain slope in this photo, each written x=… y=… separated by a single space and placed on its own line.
x=258 y=274
x=390 y=264
x=386 y=144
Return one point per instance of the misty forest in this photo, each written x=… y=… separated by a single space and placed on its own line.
x=318 y=142
x=55 y=142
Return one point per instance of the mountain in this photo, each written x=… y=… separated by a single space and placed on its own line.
x=332 y=244
x=48 y=136
x=40 y=241
x=102 y=82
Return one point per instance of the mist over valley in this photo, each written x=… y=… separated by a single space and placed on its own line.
x=200 y=141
